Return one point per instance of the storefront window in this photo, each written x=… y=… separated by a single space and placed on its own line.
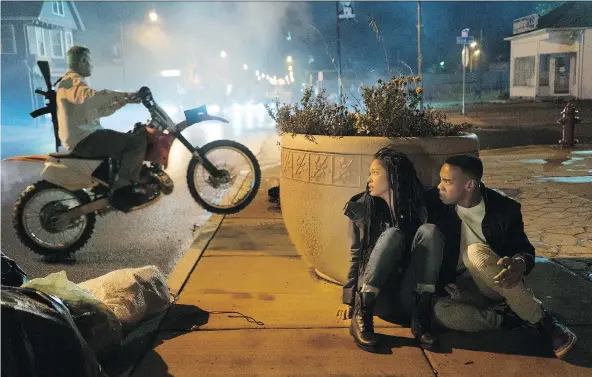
x=524 y=71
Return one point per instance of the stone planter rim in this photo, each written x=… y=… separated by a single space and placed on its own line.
x=464 y=135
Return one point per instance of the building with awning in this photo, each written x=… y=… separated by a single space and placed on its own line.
x=551 y=55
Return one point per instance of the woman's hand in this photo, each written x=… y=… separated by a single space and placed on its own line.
x=344 y=312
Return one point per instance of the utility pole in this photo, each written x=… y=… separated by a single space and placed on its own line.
x=122 y=57
x=464 y=67
x=339 y=83
x=419 y=48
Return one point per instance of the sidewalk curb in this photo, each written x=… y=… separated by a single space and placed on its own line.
x=184 y=268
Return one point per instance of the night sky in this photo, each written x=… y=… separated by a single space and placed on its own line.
x=442 y=22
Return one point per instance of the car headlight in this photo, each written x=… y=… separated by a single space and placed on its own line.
x=170 y=109
x=213 y=109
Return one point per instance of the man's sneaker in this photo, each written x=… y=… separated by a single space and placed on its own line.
x=560 y=337
x=128 y=197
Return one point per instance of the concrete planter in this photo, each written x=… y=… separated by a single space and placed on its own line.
x=318 y=179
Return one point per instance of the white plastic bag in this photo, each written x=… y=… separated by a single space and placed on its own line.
x=95 y=321
x=57 y=284
x=133 y=294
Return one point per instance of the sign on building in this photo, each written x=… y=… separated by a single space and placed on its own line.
x=526 y=23
x=346 y=10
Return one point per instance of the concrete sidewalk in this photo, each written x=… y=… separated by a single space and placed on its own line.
x=250 y=306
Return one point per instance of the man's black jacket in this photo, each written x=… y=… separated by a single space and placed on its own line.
x=502 y=227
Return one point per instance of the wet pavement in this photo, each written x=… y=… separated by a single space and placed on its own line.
x=159 y=234
x=554 y=187
x=517 y=123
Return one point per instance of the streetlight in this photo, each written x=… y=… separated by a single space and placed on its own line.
x=289 y=59
x=223 y=54
x=245 y=67
x=153 y=16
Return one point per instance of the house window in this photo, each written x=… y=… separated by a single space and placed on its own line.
x=58 y=8
x=40 y=39
x=8 y=39
x=544 y=70
x=57 y=43
x=69 y=41
x=524 y=71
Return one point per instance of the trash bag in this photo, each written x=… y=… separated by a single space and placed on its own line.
x=133 y=294
x=274 y=194
x=12 y=274
x=40 y=339
x=96 y=322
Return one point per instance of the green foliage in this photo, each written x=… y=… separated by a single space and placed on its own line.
x=389 y=109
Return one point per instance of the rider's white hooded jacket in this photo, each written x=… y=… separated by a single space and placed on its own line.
x=80 y=107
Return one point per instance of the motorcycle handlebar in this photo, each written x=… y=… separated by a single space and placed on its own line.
x=146 y=95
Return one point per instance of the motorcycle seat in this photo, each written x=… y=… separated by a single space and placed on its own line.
x=73 y=156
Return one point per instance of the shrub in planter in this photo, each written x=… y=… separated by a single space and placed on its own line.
x=389 y=109
x=327 y=149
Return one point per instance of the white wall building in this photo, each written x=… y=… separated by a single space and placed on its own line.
x=551 y=55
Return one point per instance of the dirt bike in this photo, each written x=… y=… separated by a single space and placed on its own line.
x=56 y=216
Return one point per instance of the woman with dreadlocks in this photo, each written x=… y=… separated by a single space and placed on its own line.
x=395 y=255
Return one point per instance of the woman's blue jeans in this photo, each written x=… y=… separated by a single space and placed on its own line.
x=397 y=286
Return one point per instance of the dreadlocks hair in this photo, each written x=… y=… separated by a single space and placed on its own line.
x=410 y=209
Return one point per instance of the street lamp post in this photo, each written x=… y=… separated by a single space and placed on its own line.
x=123 y=77
x=339 y=83
x=419 y=59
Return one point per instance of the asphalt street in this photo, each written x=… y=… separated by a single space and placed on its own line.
x=158 y=234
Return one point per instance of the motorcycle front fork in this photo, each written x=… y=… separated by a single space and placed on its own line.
x=210 y=168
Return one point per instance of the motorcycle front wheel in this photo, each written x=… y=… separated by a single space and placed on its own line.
x=34 y=215
x=239 y=183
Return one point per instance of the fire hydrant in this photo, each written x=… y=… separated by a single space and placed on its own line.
x=569 y=119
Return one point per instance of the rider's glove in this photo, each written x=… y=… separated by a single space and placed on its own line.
x=160 y=119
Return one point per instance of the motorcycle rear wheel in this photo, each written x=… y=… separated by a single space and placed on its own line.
x=37 y=241
x=225 y=200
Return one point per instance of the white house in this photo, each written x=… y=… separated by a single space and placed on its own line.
x=551 y=55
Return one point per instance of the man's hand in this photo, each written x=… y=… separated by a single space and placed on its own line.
x=344 y=312
x=451 y=289
x=132 y=97
x=512 y=273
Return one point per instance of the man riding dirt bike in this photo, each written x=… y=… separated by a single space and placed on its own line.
x=79 y=109
x=56 y=216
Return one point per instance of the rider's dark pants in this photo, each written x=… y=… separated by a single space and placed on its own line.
x=128 y=148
